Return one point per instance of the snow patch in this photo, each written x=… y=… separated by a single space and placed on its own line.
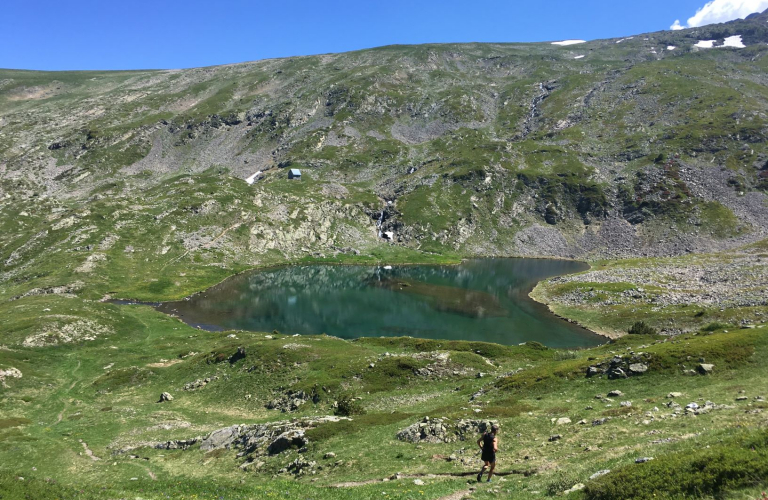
x=671 y=47
x=252 y=179
x=628 y=38
x=731 y=41
x=578 y=57
x=569 y=42
x=734 y=41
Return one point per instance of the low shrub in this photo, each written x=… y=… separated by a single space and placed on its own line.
x=740 y=463
x=640 y=328
x=714 y=326
x=349 y=405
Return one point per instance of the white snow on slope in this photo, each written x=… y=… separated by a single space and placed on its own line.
x=252 y=179
x=671 y=47
x=734 y=41
x=578 y=57
x=731 y=41
x=569 y=42
x=628 y=38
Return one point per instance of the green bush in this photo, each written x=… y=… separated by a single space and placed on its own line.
x=713 y=327
x=640 y=328
x=349 y=405
x=741 y=463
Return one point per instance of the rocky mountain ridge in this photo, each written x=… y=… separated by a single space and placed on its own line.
x=650 y=145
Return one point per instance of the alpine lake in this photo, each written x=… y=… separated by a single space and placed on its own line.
x=478 y=300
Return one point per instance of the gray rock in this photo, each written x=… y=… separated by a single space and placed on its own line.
x=574 y=488
x=615 y=394
x=293 y=438
x=617 y=373
x=706 y=368
x=673 y=395
x=330 y=454
x=600 y=473
x=638 y=368
x=593 y=371
x=165 y=397
x=290 y=401
x=642 y=460
x=555 y=437
x=221 y=438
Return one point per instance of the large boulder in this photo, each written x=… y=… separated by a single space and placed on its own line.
x=290 y=439
x=222 y=438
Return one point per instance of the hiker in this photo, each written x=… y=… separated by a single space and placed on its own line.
x=489 y=443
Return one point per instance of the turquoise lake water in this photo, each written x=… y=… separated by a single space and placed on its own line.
x=480 y=299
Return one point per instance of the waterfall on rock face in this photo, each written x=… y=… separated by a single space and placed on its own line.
x=380 y=222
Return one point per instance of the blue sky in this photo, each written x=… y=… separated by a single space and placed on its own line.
x=111 y=34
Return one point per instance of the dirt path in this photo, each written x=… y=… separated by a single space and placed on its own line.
x=60 y=416
x=88 y=451
x=458 y=495
x=352 y=484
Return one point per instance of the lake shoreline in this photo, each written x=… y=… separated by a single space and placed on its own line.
x=511 y=279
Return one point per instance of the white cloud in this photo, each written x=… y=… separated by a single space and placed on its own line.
x=720 y=11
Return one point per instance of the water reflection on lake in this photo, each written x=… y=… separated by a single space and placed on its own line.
x=481 y=299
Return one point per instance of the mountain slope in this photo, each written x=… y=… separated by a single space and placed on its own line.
x=503 y=149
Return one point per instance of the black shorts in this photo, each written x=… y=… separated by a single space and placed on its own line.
x=488 y=456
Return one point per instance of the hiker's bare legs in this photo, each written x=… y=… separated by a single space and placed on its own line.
x=482 y=471
x=490 y=472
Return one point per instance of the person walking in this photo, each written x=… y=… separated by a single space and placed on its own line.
x=489 y=443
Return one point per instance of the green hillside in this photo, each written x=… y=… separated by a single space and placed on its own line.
x=644 y=156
